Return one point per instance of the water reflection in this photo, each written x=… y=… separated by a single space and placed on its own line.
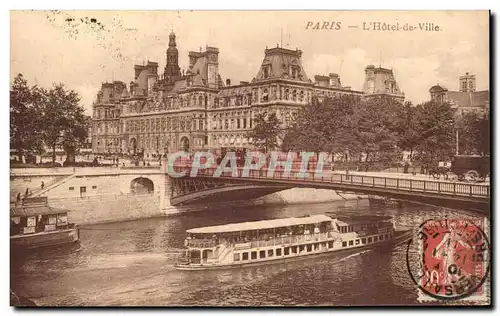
x=131 y=263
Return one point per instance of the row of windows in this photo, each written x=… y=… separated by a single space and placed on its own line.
x=83 y=188
x=238 y=139
x=253 y=255
x=106 y=113
x=165 y=124
x=368 y=240
x=282 y=94
x=232 y=124
x=286 y=251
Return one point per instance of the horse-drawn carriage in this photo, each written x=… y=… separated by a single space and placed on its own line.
x=463 y=168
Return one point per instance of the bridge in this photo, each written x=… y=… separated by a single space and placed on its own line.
x=205 y=188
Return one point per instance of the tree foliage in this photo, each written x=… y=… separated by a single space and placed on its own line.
x=64 y=121
x=40 y=117
x=323 y=126
x=266 y=131
x=374 y=130
x=435 y=125
x=25 y=121
x=474 y=133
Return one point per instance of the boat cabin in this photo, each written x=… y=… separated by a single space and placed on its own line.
x=201 y=241
x=364 y=224
x=259 y=230
x=35 y=216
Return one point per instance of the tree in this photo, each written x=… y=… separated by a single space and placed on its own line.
x=347 y=125
x=266 y=131
x=64 y=121
x=435 y=125
x=473 y=133
x=25 y=120
x=323 y=126
x=376 y=129
x=407 y=128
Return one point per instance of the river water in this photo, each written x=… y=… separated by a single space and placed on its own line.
x=131 y=264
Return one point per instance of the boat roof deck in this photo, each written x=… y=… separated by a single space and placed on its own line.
x=258 y=225
x=362 y=219
x=25 y=211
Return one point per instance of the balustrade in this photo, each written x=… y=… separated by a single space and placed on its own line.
x=402 y=184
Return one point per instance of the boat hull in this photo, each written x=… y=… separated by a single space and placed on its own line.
x=399 y=238
x=45 y=239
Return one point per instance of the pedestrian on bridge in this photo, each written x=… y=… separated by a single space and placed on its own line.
x=42 y=185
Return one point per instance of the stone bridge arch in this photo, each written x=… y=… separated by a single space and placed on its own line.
x=142 y=185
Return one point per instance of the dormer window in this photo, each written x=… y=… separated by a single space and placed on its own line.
x=266 y=72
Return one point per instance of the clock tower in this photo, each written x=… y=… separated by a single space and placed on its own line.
x=172 y=70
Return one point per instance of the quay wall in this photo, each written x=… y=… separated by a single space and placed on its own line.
x=108 y=195
x=109 y=208
x=124 y=207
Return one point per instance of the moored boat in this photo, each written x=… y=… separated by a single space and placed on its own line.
x=35 y=224
x=259 y=242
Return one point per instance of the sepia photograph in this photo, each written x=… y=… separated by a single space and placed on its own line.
x=231 y=158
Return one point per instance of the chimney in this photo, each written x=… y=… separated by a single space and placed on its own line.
x=228 y=82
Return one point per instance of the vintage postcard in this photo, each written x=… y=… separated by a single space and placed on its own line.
x=250 y=158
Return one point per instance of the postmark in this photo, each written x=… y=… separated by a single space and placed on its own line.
x=450 y=260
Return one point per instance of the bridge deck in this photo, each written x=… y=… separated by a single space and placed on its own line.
x=418 y=186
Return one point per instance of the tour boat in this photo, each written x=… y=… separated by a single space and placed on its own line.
x=35 y=224
x=259 y=242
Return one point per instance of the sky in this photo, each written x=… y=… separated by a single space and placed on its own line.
x=82 y=49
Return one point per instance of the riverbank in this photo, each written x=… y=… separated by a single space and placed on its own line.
x=305 y=195
x=117 y=208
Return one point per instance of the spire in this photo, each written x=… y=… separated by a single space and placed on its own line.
x=171 y=42
x=172 y=67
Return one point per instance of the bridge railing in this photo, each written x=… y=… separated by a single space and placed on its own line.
x=403 y=184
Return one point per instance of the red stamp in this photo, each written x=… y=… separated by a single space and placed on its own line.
x=454 y=259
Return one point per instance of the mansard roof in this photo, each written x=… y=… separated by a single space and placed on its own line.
x=279 y=62
x=469 y=99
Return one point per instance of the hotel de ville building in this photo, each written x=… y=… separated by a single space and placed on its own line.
x=197 y=110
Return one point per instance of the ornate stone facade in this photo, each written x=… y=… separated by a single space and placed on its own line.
x=194 y=110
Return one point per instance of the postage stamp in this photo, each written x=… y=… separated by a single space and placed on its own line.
x=453 y=261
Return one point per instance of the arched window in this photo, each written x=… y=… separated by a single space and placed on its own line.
x=265 y=95
x=294 y=95
x=200 y=100
x=301 y=96
x=286 y=94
